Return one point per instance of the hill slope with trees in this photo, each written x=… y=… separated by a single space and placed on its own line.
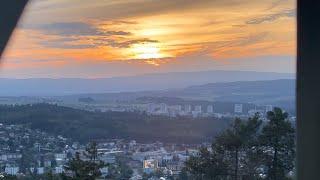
x=85 y=126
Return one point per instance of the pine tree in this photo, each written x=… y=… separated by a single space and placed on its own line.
x=94 y=165
x=77 y=166
x=278 y=145
x=235 y=142
x=85 y=169
x=223 y=160
x=204 y=166
x=247 y=150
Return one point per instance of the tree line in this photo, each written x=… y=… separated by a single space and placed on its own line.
x=250 y=149
x=85 y=126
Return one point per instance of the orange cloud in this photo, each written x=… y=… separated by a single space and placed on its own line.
x=158 y=30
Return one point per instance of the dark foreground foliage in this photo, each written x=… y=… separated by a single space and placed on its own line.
x=250 y=150
x=87 y=167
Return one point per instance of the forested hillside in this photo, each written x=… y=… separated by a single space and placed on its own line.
x=84 y=126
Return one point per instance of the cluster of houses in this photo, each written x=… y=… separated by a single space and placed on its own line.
x=24 y=151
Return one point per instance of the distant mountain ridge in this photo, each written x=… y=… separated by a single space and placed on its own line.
x=278 y=92
x=275 y=92
x=147 y=82
x=231 y=91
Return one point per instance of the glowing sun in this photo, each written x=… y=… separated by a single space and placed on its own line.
x=146 y=51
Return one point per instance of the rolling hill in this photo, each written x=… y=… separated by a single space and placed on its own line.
x=146 y=82
x=84 y=126
x=275 y=92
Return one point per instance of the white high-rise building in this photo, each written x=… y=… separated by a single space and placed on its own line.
x=269 y=108
x=209 y=109
x=187 y=108
x=58 y=170
x=197 y=108
x=238 y=108
x=178 y=108
x=11 y=170
x=163 y=108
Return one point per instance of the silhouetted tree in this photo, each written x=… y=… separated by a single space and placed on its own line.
x=238 y=139
x=247 y=150
x=278 y=145
x=26 y=161
x=120 y=170
x=89 y=168
x=207 y=165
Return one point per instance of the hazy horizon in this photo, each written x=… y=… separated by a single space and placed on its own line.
x=49 y=86
x=147 y=74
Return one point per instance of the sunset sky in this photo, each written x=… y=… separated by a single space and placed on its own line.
x=107 y=38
